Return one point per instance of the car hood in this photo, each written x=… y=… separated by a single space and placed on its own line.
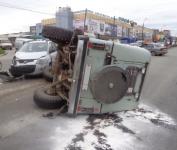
x=27 y=55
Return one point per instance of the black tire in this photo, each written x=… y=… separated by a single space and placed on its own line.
x=153 y=53
x=43 y=100
x=59 y=35
x=48 y=76
x=15 y=73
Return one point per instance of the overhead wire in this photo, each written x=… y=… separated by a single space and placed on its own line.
x=7 y=5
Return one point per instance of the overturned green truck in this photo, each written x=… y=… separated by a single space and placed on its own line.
x=93 y=76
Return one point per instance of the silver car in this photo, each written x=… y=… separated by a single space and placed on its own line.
x=156 y=49
x=33 y=57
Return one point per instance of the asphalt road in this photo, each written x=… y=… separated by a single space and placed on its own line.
x=24 y=127
x=160 y=89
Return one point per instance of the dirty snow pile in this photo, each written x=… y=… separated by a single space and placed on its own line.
x=118 y=130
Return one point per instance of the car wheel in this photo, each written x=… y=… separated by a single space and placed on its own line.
x=48 y=76
x=153 y=53
x=43 y=100
x=15 y=73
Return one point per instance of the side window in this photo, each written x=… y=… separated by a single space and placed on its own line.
x=150 y=46
x=146 y=46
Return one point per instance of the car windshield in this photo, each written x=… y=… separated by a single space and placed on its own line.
x=34 y=47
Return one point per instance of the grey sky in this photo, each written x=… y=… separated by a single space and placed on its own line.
x=159 y=13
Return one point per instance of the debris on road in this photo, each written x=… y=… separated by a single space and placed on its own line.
x=48 y=115
x=116 y=131
x=52 y=115
x=6 y=77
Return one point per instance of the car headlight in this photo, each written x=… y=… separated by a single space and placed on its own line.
x=41 y=61
x=14 y=60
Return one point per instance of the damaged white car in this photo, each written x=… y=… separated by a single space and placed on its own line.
x=33 y=57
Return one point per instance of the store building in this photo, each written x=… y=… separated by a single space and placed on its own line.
x=97 y=23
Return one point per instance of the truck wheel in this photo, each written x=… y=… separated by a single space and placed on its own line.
x=43 y=100
x=59 y=35
x=48 y=76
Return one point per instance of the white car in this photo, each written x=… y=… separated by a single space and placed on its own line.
x=137 y=43
x=5 y=44
x=33 y=57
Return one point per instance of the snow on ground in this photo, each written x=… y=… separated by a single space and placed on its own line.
x=118 y=130
x=146 y=114
x=64 y=132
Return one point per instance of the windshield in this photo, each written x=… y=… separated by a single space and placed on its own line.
x=34 y=47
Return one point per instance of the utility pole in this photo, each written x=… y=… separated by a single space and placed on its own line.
x=132 y=25
x=122 y=31
x=143 y=32
x=114 y=25
x=85 y=19
x=143 y=29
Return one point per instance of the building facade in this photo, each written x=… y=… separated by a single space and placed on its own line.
x=97 y=23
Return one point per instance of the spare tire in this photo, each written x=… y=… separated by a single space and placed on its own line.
x=109 y=85
x=48 y=76
x=43 y=100
x=60 y=35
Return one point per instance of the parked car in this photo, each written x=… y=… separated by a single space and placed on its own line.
x=174 y=43
x=5 y=44
x=156 y=49
x=19 y=42
x=33 y=57
x=137 y=43
x=128 y=40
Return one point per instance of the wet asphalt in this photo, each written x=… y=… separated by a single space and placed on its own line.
x=24 y=127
